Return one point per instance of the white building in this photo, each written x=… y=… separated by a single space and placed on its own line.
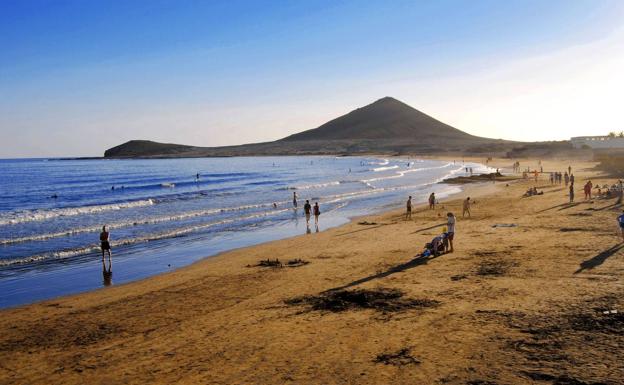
x=597 y=142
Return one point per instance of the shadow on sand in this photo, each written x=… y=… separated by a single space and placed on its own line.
x=418 y=261
x=429 y=228
x=599 y=259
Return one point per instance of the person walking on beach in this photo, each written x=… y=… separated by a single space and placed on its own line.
x=105 y=242
x=307 y=209
x=466 y=207
x=587 y=189
x=621 y=223
x=450 y=225
x=570 y=170
x=432 y=201
x=317 y=212
x=571 y=193
x=295 y=199
x=408 y=212
x=571 y=179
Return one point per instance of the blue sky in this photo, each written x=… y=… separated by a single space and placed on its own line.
x=77 y=77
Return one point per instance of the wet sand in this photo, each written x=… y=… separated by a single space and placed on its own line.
x=522 y=302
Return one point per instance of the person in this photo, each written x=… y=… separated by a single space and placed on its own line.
x=570 y=170
x=450 y=233
x=552 y=178
x=566 y=179
x=295 y=199
x=307 y=210
x=317 y=212
x=197 y=177
x=105 y=242
x=432 y=201
x=466 y=207
x=588 y=187
x=571 y=179
x=571 y=193
x=621 y=223
x=408 y=213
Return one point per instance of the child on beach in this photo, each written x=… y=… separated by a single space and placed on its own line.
x=466 y=207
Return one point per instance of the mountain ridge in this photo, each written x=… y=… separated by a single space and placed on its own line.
x=386 y=126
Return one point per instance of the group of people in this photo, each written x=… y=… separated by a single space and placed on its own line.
x=308 y=210
x=442 y=243
x=533 y=191
x=466 y=204
x=558 y=177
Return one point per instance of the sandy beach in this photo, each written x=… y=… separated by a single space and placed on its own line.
x=531 y=294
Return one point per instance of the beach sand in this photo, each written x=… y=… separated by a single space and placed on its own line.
x=511 y=305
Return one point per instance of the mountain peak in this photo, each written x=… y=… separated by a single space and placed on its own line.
x=386 y=118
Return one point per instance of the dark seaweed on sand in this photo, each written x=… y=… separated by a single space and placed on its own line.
x=386 y=300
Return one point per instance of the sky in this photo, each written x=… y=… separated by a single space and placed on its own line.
x=78 y=77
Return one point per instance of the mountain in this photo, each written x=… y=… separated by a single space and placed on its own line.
x=386 y=126
x=384 y=119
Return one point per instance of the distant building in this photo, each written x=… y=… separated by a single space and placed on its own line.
x=597 y=142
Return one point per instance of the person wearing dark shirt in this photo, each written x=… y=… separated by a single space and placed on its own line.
x=307 y=209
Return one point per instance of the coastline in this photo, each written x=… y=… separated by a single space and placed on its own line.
x=219 y=313
x=52 y=279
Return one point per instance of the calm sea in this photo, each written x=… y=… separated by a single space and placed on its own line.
x=161 y=216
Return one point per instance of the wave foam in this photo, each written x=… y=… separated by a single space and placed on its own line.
x=45 y=214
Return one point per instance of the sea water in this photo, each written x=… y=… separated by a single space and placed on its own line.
x=161 y=216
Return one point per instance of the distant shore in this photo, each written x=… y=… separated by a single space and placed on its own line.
x=530 y=277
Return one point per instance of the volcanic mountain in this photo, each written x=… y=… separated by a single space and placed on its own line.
x=386 y=126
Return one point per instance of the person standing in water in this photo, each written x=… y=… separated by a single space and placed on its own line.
x=307 y=209
x=295 y=199
x=317 y=212
x=408 y=213
x=105 y=242
x=106 y=248
x=432 y=201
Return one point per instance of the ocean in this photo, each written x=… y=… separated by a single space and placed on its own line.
x=162 y=217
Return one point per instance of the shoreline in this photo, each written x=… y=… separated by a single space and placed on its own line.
x=225 y=320
x=179 y=258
